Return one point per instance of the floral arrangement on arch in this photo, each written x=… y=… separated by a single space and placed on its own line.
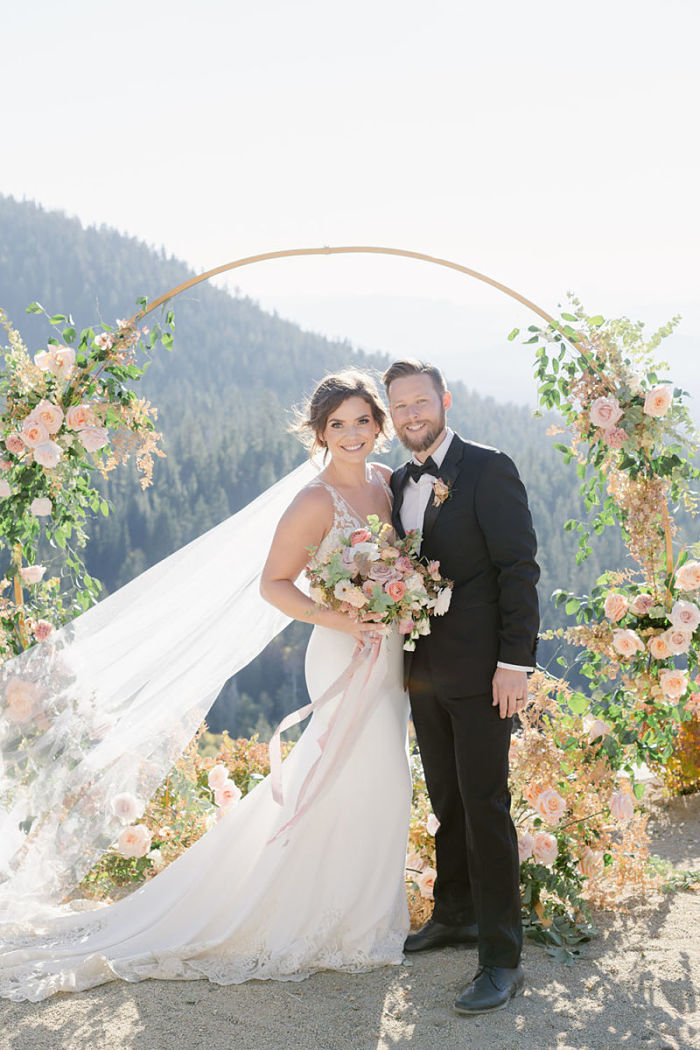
x=68 y=411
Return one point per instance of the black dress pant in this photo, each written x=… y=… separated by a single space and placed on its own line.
x=464 y=745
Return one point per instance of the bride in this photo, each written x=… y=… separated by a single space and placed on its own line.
x=278 y=891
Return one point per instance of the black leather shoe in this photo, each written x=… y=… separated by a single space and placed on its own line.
x=438 y=935
x=492 y=988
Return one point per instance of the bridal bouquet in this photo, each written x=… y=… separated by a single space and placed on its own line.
x=379 y=578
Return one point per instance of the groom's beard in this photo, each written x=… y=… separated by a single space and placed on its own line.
x=423 y=440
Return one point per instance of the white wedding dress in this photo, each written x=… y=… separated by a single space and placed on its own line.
x=247 y=901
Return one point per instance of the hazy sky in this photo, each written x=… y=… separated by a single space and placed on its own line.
x=550 y=145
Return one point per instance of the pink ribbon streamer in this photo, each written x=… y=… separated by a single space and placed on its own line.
x=362 y=659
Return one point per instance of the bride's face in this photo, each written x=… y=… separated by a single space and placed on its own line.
x=351 y=431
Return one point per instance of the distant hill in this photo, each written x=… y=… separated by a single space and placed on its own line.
x=223 y=397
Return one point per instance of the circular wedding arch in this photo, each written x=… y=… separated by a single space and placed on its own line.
x=288 y=253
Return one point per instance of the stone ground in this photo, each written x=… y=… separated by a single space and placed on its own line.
x=637 y=987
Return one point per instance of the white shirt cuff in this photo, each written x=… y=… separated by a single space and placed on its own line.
x=514 y=667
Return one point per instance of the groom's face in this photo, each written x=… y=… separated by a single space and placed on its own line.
x=417 y=411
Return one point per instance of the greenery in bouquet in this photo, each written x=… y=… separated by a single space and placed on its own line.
x=376 y=576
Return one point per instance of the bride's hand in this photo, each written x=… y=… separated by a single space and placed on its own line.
x=362 y=632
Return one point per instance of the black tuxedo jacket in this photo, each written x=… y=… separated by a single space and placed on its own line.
x=482 y=535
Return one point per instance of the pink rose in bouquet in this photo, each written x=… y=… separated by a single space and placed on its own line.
x=526 y=843
x=426 y=883
x=627 y=643
x=615 y=437
x=592 y=863
x=678 y=640
x=673 y=683
x=14 y=444
x=48 y=453
x=33 y=433
x=41 y=506
x=93 y=438
x=49 y=414
x=78 y=417
x=641 y=604
x=658 y=647
x=42 y=630
x=685 y=616
x=688 y=576
x=134 y=842
x=658 y=401
x=217 y=776
x=396 y=590
x=360 y=536
x=550 y=805
x=227 y=794
x=622 y=806
x=545 y=848
x=126 y=807
x=605 y=412
x=615 y=606
x=32 y=573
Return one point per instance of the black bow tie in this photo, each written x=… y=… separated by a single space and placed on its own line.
x=417 y=470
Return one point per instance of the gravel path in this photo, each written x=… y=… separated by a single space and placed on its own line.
x=637 y=987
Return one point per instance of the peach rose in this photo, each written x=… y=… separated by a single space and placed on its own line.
x=43 y=360
x=5 y=489
x=532 y=792
x=126 y=807
x=688 y=576
x=605 y=412
x=78 y=417
x=34 y=433
x=14 y=444
x=227 y=794
x=49 y=414
x=21 y=697
x=526 y=843
x=360 y=536
x=93 y=438
x=641 y=604
x=389 y=552
x=345 y=591
x=63 y=362
x=685 y=615
x=32 y=573
x=615 y=437
x=396 y=590
x=622 y=806
x=550 y=805
x=42 y=630
x=627 y=643
x=592 y=863
x=677 y=640
x=673 y=683
x=48 y=453
x=134 y=841
x=596 y=728
x=414 y=862
x=41 y=506
x=432 y=824
x=545 y=848
x=217 y=776
x=657 y=401
x=616 y=606
x=426 y=882
x=658 y=647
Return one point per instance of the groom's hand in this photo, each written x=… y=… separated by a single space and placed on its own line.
x=509 y=691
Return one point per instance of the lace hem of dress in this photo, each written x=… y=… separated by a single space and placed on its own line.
x=329 y=948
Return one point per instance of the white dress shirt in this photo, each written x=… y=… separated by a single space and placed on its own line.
x=415 y=502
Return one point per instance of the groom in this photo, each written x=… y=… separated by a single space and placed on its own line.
x=468 y=677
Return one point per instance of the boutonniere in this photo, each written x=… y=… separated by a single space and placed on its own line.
x=442 y=490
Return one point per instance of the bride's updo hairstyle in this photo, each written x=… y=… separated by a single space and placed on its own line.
x=330 y=393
